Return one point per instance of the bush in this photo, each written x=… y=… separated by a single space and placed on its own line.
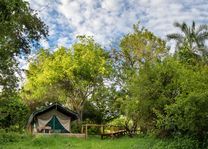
x=184 y=143
x=14 y=114
x=93 y=130
x=120 y=121
x=75 y=127
x=188 y=115
x=178 y=143
x=8 y=137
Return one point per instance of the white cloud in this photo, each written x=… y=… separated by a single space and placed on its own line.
x=107 y=20
x=44 y=44
x=62 y=42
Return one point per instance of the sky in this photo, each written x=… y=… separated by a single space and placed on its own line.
x=108 y=20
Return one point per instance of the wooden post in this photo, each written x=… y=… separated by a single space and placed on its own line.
x=70 y=125
x=101 y=129
x=111 y=129
x=82 y=129
x=86 y=131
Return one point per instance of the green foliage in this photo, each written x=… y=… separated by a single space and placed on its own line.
x=9 y=137
x=20 y=28
x=69 y=75
x=187 y=57
x=141 y=46
x=155 y=86
x=56 y=142
x=120 y=121
x=93 y=130
x=102 y=104
x=178 y=143
x=189 y=114
x=164 y=94
x=94 y=114
x=192 y=36
x=13 y=114
x=137 y=49
x=171 y=96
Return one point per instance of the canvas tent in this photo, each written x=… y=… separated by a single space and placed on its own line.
x=54 y=118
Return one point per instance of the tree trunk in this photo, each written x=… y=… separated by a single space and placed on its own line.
x=80 y=115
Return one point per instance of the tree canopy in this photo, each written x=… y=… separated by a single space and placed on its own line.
x=69 y=75
x=20 y=30
x=191 y=36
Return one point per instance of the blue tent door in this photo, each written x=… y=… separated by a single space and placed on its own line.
x=56 y=126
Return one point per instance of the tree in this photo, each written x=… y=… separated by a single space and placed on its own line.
x=155 y=86
x=14 y=114
x=188 y=113
x=68 y=75
x=169 y=97
x=192 y=36
x=102 y=102
x=20 y=29
x=137 y=50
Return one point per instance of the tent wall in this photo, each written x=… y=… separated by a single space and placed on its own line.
x=44 y=119
x=41 y=117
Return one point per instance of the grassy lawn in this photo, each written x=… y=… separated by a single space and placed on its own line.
x=60 y=142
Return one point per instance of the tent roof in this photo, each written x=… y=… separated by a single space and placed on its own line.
x=57 y=106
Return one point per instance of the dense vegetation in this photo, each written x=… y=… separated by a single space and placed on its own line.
x=139 y=85
x=20 y=30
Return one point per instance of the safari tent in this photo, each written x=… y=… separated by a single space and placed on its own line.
x=52 y=119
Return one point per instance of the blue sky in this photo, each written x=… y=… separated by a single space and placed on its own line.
x=108 y=20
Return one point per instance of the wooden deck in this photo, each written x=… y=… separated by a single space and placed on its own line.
x=115 y=134
x=115 y=131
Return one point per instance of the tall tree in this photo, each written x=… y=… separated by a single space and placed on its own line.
x=68 y=75
x=191 y=36
x=137 y=50
x=20 y=29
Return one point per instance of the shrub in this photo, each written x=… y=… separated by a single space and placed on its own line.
x=178 y=143
x=188 y=115
x=75 y=127
x=93 y=130
x=120 y=121
x=14 y=114
x=184 y=143
x=8 y=137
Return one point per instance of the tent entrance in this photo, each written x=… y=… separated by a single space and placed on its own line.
x=56 y=126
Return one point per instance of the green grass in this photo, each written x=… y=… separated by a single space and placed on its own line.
x=61 y=142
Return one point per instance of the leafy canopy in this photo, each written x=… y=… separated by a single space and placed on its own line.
x=192 y=36
x=20 y=30
x=68 y=75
